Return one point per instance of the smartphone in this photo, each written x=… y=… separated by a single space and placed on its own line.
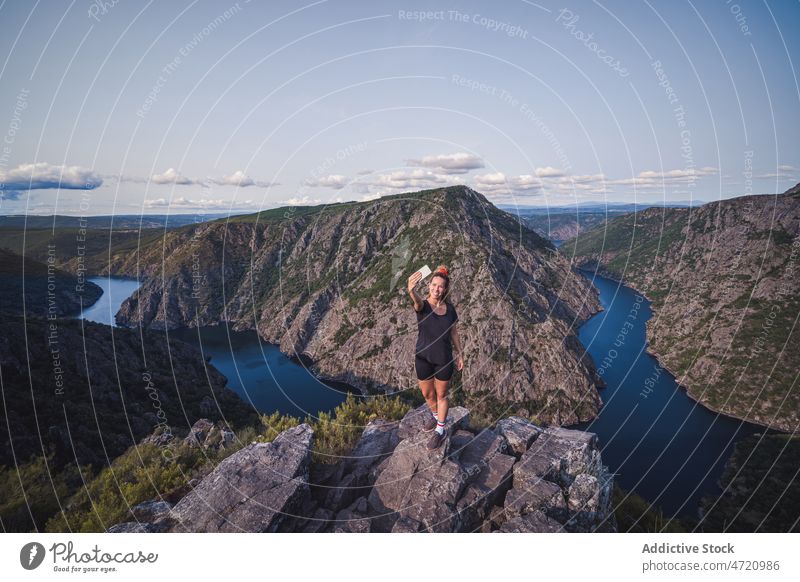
x=426 y=270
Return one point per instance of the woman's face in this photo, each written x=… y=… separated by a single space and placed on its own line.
x=437 y=287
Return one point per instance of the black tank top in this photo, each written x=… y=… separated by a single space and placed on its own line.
x=433 y=342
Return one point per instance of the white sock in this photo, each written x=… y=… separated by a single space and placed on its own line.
x=434 y=415
x=440 y=427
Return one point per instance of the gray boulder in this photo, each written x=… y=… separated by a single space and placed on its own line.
x=560 y=476
x=209 y=435
x=519 y=433
x=445 y=490
x=356 y=472
x=536 y=522
x=253 y=490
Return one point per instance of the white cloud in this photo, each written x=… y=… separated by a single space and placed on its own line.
x=202 y=203
x=500 y=184
x=335 y=181
x=781 y=172
x=459 y=163
x=404 y=179
x=239 y=179
x=550 y=172
x=171 y=176
x=41 y=175
x=657 y=179
x=304 y=201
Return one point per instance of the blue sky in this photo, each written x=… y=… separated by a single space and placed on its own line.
x=133 y=107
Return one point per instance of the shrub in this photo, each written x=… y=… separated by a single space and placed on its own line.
x=335 y=434
x=31 y=492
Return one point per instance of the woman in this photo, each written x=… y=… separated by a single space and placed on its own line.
x=438 y=335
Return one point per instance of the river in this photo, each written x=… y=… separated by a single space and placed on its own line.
x=259 y=372
x=661 y=444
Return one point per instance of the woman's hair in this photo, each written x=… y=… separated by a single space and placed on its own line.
x=443 y=272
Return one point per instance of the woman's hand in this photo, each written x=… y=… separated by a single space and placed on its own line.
x=459 y=363
x=413 y=280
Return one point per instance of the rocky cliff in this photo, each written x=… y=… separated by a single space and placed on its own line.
x=517 y=477
x=561 y=225
x=329 y=282
x=724 y=281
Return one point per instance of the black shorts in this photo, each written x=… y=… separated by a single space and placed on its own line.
x=426 y=369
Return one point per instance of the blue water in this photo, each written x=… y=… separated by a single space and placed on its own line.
x=115 y=291
x=257 y=371
x=261 y=374
x=661 y=444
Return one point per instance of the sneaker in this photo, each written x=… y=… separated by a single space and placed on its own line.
x=436 y=440
x=429 y=424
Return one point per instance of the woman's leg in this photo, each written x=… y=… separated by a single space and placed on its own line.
x=441 y=398
x=426 y=370
x=429 y=393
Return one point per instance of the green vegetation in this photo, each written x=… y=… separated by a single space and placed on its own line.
x=635 y=514
x=93 y=247
x=636 y=240
x=761 y=491
x=31 y=494
x=147 y=471
x=335 y=434
x=344 y=333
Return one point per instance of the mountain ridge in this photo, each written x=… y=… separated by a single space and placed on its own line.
x=301 y=276
x=725 y=291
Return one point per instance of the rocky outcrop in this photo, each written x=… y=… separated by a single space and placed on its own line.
x=253 y=490
x=515 y=477
x=208 y=435
x=724 y=283
x=518 y=477
x=329 y=282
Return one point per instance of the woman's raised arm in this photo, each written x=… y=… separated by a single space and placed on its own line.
x=412 y=282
